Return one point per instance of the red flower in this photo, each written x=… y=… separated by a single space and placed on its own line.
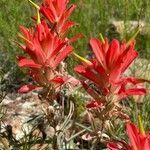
x=138 y=140
x=46 y=50
x=46 y=44
x=44 y=47
x=57 y=12
x=106 y=69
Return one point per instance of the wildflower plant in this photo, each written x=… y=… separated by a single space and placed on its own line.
x=106 y=83
x=46 y=46
x=138 y=138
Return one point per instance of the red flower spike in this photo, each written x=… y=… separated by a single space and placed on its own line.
x=137 y=140
x=56 y=12
x=107 y=68
x=46 y=44
x=47 y=48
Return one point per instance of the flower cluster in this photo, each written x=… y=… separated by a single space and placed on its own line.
x=46 y=45
x=106 y=84
x=57 y=13
x=105 y=71
x=139 y=140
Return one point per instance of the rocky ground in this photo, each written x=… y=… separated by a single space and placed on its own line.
x=24 y=113
x=20 y=109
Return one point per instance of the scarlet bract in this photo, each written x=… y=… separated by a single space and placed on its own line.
x=57 y=13
x=137 y=140
x=107 y=67
x=46 y=44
